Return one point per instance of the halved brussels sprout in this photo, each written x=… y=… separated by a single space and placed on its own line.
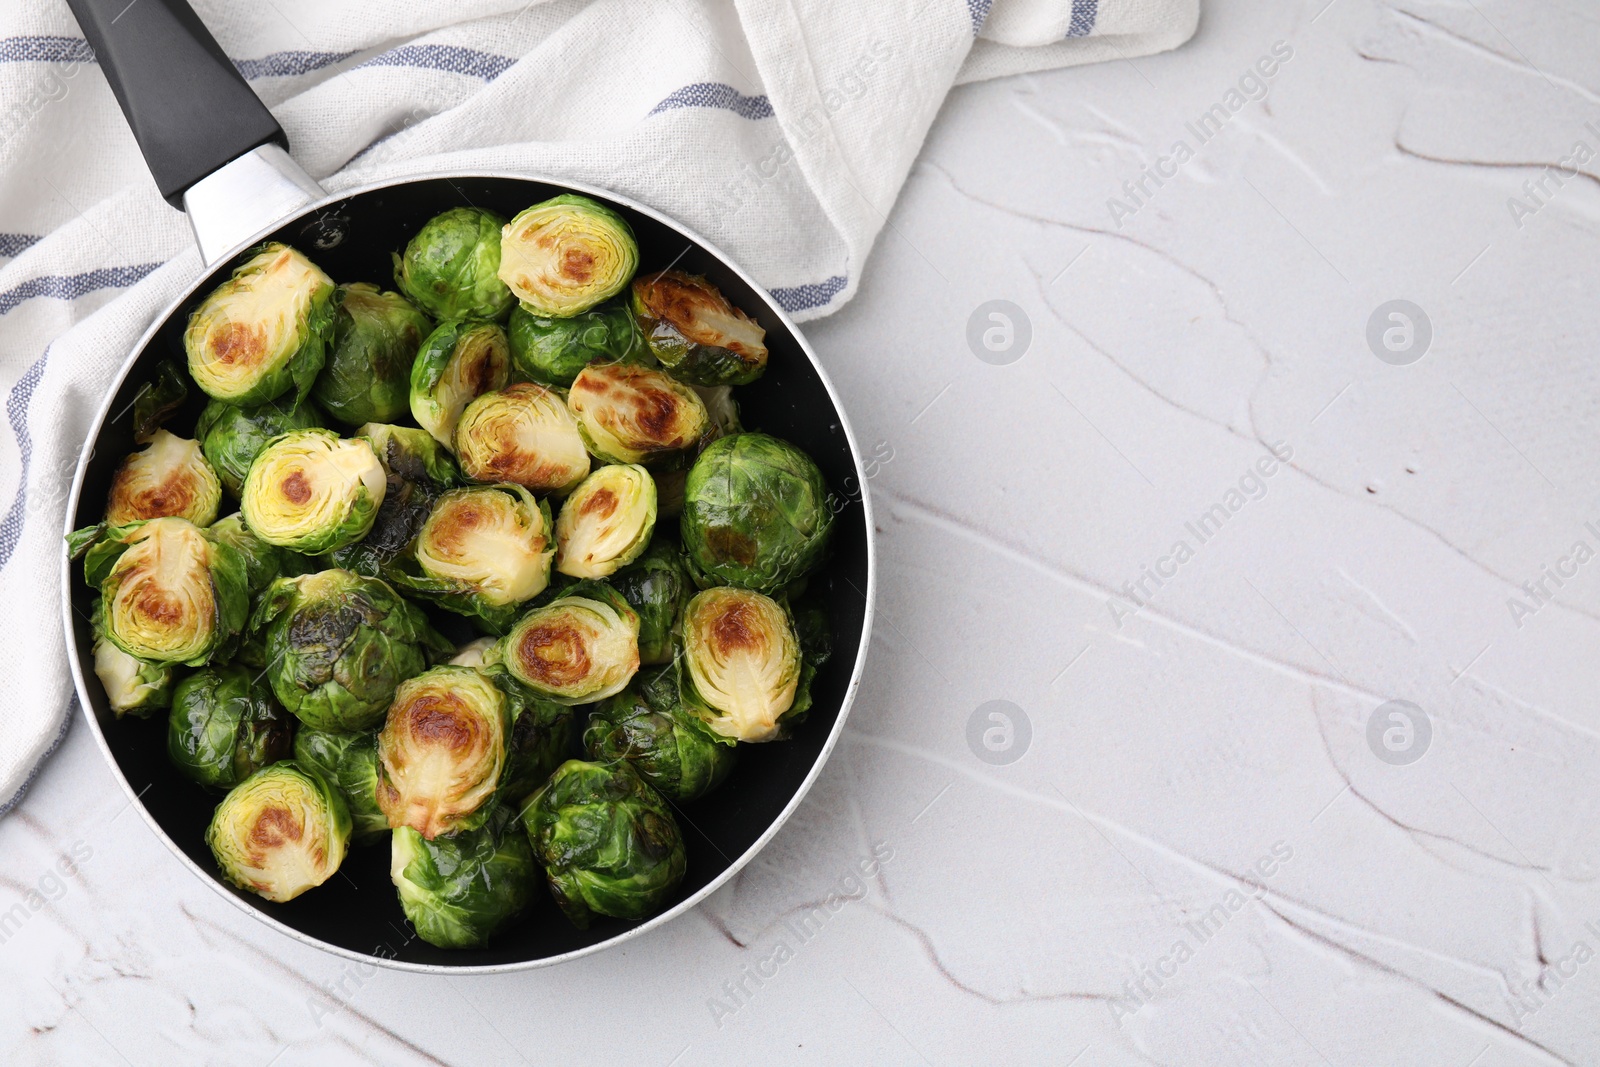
x=376 y=335
x=280 y=832
x=442 y=751
x=350 y=762
x=313 y=492
x=566 y=255
x=755 y=513
x=742 y=672
x=450 y=268
x=552 y=351
x=225 y=726
x=232 y=437
x=607 y=841
x=133 y=686
x=459 y=891
x=458 y=362
x=582 y=646
x=417 y=469
x=471 y=654
x=634 y=414
x=607 y=521
x=263 y=331
x=159 y=399
x=694 y=332
x=522 y=434
x=656 y=585
x=168 y=477
x=482 y=551
x=263 y=563
x=338 y=645
x=670 y=748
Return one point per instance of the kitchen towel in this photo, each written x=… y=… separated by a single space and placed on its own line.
x=780 y=129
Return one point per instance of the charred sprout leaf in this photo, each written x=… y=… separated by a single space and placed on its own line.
x=338 y=645
x=670 y=748
x=459 y=891
x=160 y=397
x=656 y=586
x=350 y=762
x=581 y=646
x=608 y=843
x=458 y=362
x=742 y=672
x=313 y=492
x=814 y=628
x=232 y=437
x=566 y=255
x=264 y=331
x=442 y=751
x=225 y=726
x=541 y=735
x=417 y=469
x=169 y=477
x=552 y=351
x=133 y=686
x=607 y=521
x=450 y=268
x=755 y=514
x=263 y=563
x=522 y=434
x=695 y=333
x=633 y=414
x=376 y=336
x=280 y=832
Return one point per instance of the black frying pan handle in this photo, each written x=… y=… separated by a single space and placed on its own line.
x=190 y=110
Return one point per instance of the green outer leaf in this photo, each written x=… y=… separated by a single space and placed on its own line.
x=552 y=351
x=541 y=734
x=656 y=586
x=161 y=396
x=263 y=563
x=224 y=726
x=231 y=437
x=458 y=891
x=451 y=268
x=349 y=761
x=367 y=375
x=669 y=747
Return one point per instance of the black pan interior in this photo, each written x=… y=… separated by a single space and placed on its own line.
x=353 y=241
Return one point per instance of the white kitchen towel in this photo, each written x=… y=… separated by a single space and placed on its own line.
x=780 y=129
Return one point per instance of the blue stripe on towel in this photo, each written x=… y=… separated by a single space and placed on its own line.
x=804 y=297
x=45 y=50
x=1083 y=16
x=716 y=94
x=288 y=64
x=448 y=57
x=14 y=244
x=72 y=286
x=979 y=10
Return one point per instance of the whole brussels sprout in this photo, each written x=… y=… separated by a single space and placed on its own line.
x=376 y=335
x=280 y=832
x=232 y=437
x=567 y=254
x=459 y=891
x=416 y=470
x=442 y=751
x=755 y=513
x=133 y=686
x=483 y=551
x=742 y=672
x=633 y=414
x=580 y=647
x=670 y=748
x=338 y=645
x=168 y=477
x=607 y=521
x=263 y=563
x=263 y=331
x=225 y=726
x=159 y=399
x=552 y=351
x=694 y=332
x=523 y=434
x=458 y=362
x=312 y=491
x=350 y=762
x=656 y=586
x=450 y=267
x=607 y=841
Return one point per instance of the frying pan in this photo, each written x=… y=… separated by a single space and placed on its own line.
x=216 y=152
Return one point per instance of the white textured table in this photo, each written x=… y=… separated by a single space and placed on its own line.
x=1208 y=852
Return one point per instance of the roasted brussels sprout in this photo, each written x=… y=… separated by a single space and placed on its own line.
x=133 y=686
x=159 y=399
x=262 y=562
x=458 y=891
x=450 y=268
x=471 y=654
x=607 y=521
x=232 y=437
x=168 y=477
x=670 y=748
x=350 y=762
x=482 y=551
x=695 y=333
x=552 y=351
x=367 y=377
x=656 y=586
x=522 y=434
x=280 y=832
x=416 y=470
x=633 y=414
x=263 y=331
x=608 y=843
x=755 y=513
x=338 y=644
x=742 y=672
x=312 y=491
x=566 y=255
x=582 y=646
x=442 y=751
x=458 y=362
x=225 y=726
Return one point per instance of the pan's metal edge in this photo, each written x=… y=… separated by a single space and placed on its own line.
x=656 y=921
